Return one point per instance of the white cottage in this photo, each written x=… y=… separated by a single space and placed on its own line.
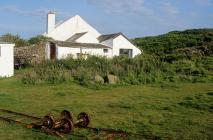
x=6 y=59
x=76 y=37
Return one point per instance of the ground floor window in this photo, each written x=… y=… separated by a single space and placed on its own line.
x=82 y=55
x=105 y=50
x=127 y=52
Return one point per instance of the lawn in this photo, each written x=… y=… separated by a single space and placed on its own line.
x=170 y=111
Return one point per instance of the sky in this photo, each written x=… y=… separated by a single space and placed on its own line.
x=134 y=18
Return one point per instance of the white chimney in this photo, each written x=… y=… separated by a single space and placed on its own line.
x=50 y=22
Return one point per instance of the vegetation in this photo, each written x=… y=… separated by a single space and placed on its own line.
x=170 y=42
x=167 y=93
x=144 y=69
x=169 y=111
x=172 y=57
x=20 y=42
x=39 y=39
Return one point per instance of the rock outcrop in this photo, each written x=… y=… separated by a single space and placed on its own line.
x=111 y=79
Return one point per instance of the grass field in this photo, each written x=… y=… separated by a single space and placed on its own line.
x=175 y=111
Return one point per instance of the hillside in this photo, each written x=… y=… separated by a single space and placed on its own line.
x=189 y=42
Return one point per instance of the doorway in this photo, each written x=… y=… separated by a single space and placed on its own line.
x=52 y=51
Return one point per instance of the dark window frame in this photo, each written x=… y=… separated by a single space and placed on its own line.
x=105 y=50
x=128 y=52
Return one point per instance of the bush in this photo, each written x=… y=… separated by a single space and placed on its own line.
x=143 y=69
x=37 y=39
x=16 y=39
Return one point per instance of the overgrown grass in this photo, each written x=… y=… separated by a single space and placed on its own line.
x=143 y=69
x=172 y=110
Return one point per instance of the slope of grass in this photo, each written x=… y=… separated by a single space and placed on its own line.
x=168 y=43
x=177 y=111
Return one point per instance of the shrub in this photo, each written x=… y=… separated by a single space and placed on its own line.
x=143 y=69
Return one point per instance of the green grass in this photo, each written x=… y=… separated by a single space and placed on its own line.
x=176 y=111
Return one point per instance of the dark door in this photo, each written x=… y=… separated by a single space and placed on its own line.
x=52 y=51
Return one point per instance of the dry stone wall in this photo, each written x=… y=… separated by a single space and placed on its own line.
x=30 y=54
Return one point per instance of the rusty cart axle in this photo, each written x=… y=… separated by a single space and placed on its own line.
x=65 y=124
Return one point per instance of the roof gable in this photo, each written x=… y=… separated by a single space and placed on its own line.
x=75 y=37
x=70 y=27
x=111 y=36
x=108 y=36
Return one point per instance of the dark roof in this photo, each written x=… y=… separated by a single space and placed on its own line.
x=77 y=45
x=112 y=36
x=6 y=43
x=109 y=36
x=75 y=37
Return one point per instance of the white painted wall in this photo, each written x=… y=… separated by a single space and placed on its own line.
x=97 y=52
x=72 y=26
x=88 y=38
x=47 y=50
x=108 y=43
x=50 y=22
x=6 y=60
x=122 y=43
x=64 y=52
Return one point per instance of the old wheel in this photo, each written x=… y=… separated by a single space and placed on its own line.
x=84 y=120
x=66 y=126
x=48 y=122
x=66 y=114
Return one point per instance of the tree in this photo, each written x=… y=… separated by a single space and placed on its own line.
x=38 y=39
x=19 y=42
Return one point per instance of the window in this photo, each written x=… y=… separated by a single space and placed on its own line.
x=105 y=50
x=82 y=56
x=0 y=50
x=127 y=52
x=78 y=55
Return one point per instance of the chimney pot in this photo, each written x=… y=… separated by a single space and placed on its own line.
x=50 y=21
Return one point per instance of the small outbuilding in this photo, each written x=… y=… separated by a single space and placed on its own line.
x=6 y=59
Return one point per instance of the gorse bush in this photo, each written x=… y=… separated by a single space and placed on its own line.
x=143 y=69
x=168 y=43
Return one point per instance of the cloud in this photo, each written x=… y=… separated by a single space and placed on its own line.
x=39 y=12
x=16 y=10
x=155 y=13
x=203 y=2
x=169 y=9
x=121 y=6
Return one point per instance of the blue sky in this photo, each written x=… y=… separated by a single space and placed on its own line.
x=135 y=18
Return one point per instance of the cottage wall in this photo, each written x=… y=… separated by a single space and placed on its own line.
x=122 y=43
x=63 y=52
x=6 y=60
x=98 y=52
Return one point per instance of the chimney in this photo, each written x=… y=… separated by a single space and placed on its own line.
x=50 y=21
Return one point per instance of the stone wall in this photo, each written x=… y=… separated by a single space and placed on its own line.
x=30 y=54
